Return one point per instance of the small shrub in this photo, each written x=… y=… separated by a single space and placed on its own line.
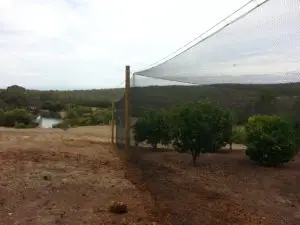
x=270 y=140
x=19 y=125
x=85 y=116
x=62 y=125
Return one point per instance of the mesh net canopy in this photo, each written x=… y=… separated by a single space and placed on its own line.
x=255 y=49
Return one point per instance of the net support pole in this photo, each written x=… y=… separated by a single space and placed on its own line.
x=127 y=96
x=113 y=123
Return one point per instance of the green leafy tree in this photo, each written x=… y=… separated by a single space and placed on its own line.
x=15 y=97
x=152 y=128
x=296 y=121
x=224 y=127
x=297 y=131
x=72 y=114
x=21 y=116
x=199 y=128
x=101 y=116
x=270 y=140
x=54 y=106
x=3 y=105
x=140 y=130
x=2 y=118
x=266 y=104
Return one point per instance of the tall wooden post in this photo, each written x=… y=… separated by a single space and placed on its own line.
x=127 y=116
x=113 y=123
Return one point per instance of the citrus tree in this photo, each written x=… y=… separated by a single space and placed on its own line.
x=270 y=140
x=152 y=127
x=199 y=128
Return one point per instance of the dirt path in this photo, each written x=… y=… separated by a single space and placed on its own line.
x=56 y=177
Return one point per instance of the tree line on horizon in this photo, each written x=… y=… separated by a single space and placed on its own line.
x=245 y=100
x=18 y=97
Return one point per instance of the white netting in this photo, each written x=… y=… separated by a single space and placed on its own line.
x=261 y=46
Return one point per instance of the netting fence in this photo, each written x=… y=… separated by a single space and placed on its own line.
x=236 y=64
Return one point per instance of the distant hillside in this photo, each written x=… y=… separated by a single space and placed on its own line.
x=282 y=99
x=16 y=96
x=223 y=94
x=245 y=100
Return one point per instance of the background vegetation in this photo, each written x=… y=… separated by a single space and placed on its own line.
x=244 y=100
x=85 y=116
x=201 y=127
x=86 y=107
x=18 y=118
x=19 y=97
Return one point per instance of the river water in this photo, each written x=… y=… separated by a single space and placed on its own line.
x=48 y=122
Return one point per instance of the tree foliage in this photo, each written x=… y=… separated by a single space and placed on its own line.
x=53 y=106
x=152 y=128
x=245 y=100
x=270 y=140
x=19 y=118
x=19 y=97
x=85 y=116
x=200 y=128
x=192 y=127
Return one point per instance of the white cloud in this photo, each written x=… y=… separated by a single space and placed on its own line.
x=86 y=43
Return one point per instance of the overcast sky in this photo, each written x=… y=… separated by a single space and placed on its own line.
x=261 y=47
x=71 y=44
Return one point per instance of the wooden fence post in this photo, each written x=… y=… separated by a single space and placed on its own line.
x=127 y=99
x=113 y=123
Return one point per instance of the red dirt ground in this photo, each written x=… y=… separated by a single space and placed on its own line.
x=225 y=188
x=70 y=177
x=56 y=177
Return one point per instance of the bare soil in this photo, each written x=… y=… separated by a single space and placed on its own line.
x=224 y=188
x=50 y=176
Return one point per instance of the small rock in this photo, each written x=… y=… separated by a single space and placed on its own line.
x=118 y=207
x=65 y=180
x=47 y=176
x=9 y=214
